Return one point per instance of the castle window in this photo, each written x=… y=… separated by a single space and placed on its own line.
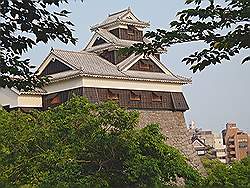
x=156 y=98
x=134 y=96
x=112 y=96
x=55 y=100
x=144 y=64
x=129 y=17
x=131 y=30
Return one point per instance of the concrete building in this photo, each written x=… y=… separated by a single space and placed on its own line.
x=220 y=148
x=236 y=141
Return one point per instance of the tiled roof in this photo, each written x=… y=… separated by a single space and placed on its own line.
x=154 y=76
x=113 y=41
x=127 y=61
x=90 y=64
x=117 y=17
x=65 y=74
x=36 y=91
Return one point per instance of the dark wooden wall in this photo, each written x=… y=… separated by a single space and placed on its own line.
x=55 y=67
x=109 y=55
x=114 y=56
x=99 y=41
x=173 y=101
x=146 y=65
x=128 y=34
x=62 y=97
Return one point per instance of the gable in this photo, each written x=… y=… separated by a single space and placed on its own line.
x=96 y=40
x=146 y=65
x=197 y=143
x=126 y=64
x=99 y=41
x=54 y=66
x=129 y=16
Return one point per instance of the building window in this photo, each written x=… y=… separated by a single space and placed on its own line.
x=131 y=30
x=144 y=65
x=112 y=96
x=201 y=152
x=156 y=98
x=129 y=17
x=243 y=144
x=134 y=96
x=55 y=100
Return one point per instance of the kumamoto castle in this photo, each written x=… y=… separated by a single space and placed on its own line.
x=100 y=72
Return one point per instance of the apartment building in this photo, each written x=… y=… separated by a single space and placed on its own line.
x=220 y=148
x=236 y=141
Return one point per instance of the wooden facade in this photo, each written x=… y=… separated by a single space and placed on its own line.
x=54 y=99
x=131 y=33
x=109 y=56
x=114 y=56
x=99 y=41
x=132 y=99
x=55 y=67
x=146 y=65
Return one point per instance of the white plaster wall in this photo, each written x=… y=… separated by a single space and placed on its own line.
x=29 y=101
x=8 y=97
x=129 y=84
x=64 y=85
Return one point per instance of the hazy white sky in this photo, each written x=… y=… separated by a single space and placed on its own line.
x=217 y=95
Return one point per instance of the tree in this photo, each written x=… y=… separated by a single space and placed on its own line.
x=225 y=28
x=82 y=144
x=227 y=175
x=23 y=25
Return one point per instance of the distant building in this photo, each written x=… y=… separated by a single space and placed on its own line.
x=236 y=141
x=203 y=141
x=200 y=147
x=206 y=136
x=220 y=148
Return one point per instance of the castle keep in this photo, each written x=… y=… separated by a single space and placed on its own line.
x=100 y=72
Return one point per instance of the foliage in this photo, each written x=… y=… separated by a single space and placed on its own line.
x=236 y=174
x=23 y=25
x=225 y=28
x=83 y=144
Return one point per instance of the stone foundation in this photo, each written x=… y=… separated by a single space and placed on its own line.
x=174 y=128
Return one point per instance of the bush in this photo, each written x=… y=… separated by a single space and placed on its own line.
x=236 y=174
x=82 y=144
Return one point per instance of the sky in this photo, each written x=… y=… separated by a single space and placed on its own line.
x=217 y=95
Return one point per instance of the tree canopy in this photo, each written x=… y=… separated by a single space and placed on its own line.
x=224 y=27
x=236 y=174
x=23 y=25
x=83 y=144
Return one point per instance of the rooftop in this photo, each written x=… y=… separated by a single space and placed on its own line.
x=123 y=16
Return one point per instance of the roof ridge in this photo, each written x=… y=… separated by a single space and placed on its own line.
x=79 y=52
x=105 y=30
x=121 y=11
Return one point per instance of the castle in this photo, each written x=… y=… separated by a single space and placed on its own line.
x=100 y=72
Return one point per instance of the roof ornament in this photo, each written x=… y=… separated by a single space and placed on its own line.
x=81 y=68
x=129 y=9
x=51 y=49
